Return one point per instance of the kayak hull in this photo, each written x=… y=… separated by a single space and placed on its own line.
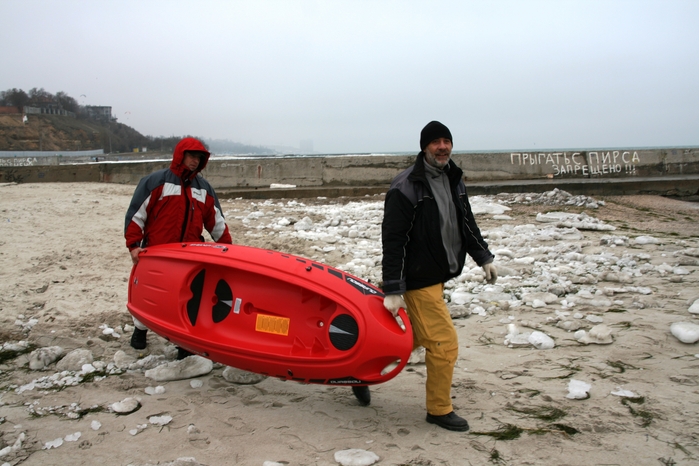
x=268 y=312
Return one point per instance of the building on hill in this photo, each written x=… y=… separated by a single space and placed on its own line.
x=93 y=112
x=48 y=109
x=96 y=112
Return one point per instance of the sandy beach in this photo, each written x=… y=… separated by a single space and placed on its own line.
x=628 y=263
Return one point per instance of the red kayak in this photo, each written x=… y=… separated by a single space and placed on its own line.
x=268 y=312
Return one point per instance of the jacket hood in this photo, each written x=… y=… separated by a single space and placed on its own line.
x=186 y=144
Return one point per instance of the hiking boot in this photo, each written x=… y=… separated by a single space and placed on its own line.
x=182 y=353
x=138 y=339
x=451 y=421
x=363 y=394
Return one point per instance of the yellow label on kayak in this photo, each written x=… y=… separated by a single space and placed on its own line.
x=272 y=324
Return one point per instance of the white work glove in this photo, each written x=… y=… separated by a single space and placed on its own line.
x=491 y=273
x=393 y=302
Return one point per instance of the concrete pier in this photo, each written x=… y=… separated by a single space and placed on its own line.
x=673 y=171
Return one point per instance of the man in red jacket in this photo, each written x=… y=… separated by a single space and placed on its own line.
x=173 y=205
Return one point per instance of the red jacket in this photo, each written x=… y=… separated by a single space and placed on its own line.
x=174 y=205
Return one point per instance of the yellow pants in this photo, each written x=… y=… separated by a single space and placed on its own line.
x=434 y=330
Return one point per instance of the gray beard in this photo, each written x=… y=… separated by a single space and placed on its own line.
x=430 y=159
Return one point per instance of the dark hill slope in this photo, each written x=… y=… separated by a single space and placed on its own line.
x=61 y=133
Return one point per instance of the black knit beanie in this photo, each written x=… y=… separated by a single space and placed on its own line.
x=434 y=130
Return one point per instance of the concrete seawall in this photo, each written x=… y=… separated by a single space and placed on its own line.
x=621 y=171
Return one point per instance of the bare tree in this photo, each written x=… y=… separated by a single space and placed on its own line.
x=67 y=102
x=40 y=96
x=14 y=98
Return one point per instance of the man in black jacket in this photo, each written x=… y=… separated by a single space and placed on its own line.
x=428 y=228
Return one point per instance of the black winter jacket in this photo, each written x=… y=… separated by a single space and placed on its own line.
x=413 y=252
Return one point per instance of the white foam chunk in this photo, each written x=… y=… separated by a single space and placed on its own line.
x=686 y=332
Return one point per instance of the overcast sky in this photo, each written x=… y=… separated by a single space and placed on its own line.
x=366 y=76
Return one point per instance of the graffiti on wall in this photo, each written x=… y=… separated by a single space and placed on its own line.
x=18 y=162
x=581 y=163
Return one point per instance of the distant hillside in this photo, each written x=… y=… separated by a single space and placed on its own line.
x=62 y=133
x=224 y=146
x=56 y=122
